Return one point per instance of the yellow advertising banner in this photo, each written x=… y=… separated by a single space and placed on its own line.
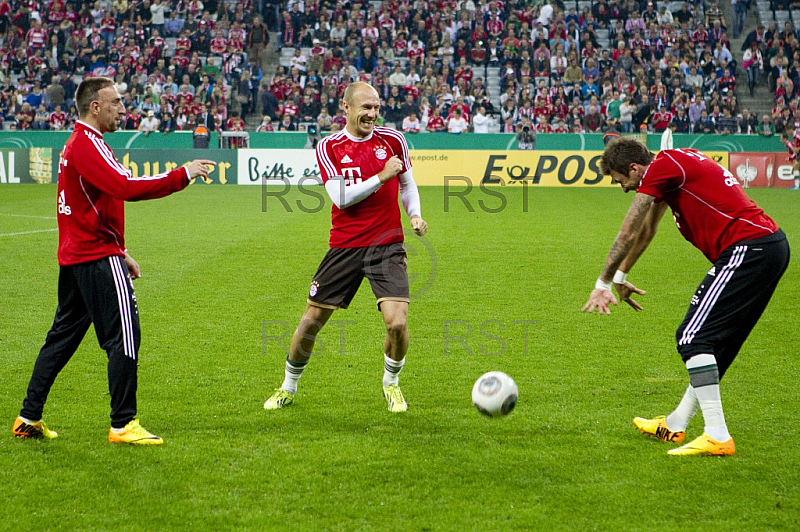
x=517 y=167
x=722 y=157
x=497 y=167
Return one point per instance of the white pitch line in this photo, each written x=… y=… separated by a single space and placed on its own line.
x=29 y=232
x=29 y=216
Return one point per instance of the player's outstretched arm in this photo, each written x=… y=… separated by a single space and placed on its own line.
x=625 y=288
x=602 y=296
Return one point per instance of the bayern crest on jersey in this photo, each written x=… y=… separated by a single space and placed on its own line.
x=380 y=153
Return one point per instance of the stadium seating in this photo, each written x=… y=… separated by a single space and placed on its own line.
x=241 y=98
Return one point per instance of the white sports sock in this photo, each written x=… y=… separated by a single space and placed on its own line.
x=28 y=421
x=391 y=370
x=704 y=375
x=679 y=419
x=292 y=374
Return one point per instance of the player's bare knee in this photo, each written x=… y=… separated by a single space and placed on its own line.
x=397 y=327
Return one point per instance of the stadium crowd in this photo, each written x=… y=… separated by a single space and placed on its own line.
x=177 y=64
x=613 y=65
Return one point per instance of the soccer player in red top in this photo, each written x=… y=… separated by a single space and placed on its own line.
x=791 y=139
x=95 y=277
x=749 y=254
x=363 y=168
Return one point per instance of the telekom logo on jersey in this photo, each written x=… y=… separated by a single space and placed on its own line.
x=352 y=175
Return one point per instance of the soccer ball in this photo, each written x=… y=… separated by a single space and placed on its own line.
x=495 y=394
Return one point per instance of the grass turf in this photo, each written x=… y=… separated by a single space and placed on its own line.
x=222 y=279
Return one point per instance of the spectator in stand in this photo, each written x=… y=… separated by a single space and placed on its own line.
x=41 y=119
x=436 y=122
x=287 y=124
x=149 y=124
x=168 y=123
x=727 y=124
x=589 y=89
x=257 y=40
x=705 y=124
x=661 y=119
x=324 y=120
x=408 y=106
x=34 y=98
x=593 y=121
x=25 y=117
x=55 y=93
x=573 y=73
x=626 y=110
x=211 y=69
x=398 y=77
x=766 y=128
x=269 y=103
x=457 y=124
x=58 y=119
x=753 y=64
x=480 y=122
x=173 y=26
x=681 y=121
x=411 y=123
x=234 y=123
x=748 y=124
x=265 y=125
x=643 y=114
x=132 y=119
x=339 y=120
x=299 y=60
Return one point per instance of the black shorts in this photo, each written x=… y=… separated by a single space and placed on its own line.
x=732 y=297
x=339 y=276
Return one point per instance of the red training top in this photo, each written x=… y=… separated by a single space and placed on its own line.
x=92 y=186
x=376 y=219
x=709 y=205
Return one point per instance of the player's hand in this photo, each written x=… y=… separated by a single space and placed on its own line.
x=392 y=167
x=133 y=267
x=419 y=225
x=200 y=167
x=625 y=290
x=600 y=299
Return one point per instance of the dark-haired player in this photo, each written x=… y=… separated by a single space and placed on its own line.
x=95 y=277
x=749 y=254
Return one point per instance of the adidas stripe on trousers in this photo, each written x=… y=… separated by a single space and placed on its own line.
x=99 y=293
x=730 y=300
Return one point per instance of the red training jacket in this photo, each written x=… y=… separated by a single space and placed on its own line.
x=92 y=186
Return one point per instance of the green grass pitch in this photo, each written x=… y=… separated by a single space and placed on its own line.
x=220 y=278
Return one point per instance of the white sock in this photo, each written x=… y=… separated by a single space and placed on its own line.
x=704 y=376
x=797 y=182
x=28 y=421
x=118 y=431
x=292 y=374
x=679 y=419
x=391 y=370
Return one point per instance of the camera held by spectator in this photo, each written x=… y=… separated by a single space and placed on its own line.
x=526 y=136
x=313 y=137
